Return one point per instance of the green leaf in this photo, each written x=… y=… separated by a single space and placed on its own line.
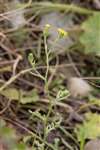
x=20 y=95
x=31 y=60
x=90 y=129
x=6 y=132
x=62 y=94
x=29 y=97
x=10 y=93
x=91 y=36
x=20 y=146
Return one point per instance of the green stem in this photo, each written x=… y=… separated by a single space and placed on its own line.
x=47 y=63
x=82 y=144
x=63 y=7
x=49 y=111
x=46 y=121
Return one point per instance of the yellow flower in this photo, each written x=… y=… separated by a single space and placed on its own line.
x=47 y=26
x=62 y=33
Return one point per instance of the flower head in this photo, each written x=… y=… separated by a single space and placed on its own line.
x=62 y=33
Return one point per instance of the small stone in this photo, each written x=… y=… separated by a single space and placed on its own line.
x=16 y=18
x=78 y=87
x=93 y=145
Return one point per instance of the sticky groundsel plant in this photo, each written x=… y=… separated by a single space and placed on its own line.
x=61 y=34
x=90 y=129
